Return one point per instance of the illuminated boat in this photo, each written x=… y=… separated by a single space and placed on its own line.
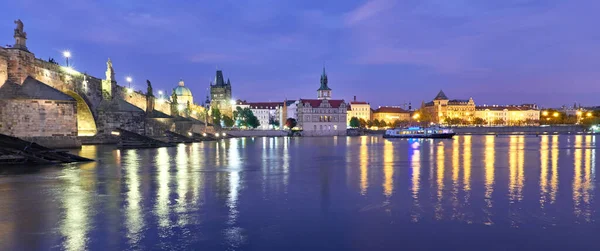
x=419 y=132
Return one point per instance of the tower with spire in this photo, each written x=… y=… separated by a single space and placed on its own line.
x=220 y=94
x=324 y=92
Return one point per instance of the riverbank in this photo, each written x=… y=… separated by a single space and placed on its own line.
x=570 y=129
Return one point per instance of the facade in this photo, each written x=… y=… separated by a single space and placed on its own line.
x=389 y=114
x=220 y=93
x=184 y=95
x=358 y=109
x=266 y=112
x=508 y=115
x=322 y=116
x=442 y=108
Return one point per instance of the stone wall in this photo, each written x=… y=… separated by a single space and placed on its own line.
x=3 y=66
x=21 y=118
x=130 y=121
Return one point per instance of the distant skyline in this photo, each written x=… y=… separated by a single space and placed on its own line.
x=386 y=52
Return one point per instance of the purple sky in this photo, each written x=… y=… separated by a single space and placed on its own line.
x=387 y=52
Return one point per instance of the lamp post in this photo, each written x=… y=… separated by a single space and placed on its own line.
x=129 y=79
x=67 y=55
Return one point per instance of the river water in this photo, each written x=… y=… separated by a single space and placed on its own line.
x=337 y=193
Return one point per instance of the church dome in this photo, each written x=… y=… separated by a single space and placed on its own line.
x=184 y=95
x=181 y=90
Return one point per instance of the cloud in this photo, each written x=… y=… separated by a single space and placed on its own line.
x=368 y=10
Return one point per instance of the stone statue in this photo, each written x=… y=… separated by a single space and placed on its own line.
x=19 y=29
x=110 y=72
x=149 y=91
x=174 y=98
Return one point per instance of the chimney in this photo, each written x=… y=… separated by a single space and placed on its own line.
x=354 y=98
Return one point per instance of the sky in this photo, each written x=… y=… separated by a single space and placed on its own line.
x=385 y=52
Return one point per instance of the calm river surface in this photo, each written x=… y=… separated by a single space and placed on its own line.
x=342 y=193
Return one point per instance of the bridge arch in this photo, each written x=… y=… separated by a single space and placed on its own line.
x=86 y=125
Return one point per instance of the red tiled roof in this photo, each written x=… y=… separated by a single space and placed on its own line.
x=335 y=103
x=388 y=109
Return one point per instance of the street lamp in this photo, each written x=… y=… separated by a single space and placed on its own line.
x=545 y=113
x=589 y=114
x=129 y=79
x=555 y=114
x=67 y=55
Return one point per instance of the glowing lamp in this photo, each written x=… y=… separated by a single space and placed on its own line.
x=128 y=79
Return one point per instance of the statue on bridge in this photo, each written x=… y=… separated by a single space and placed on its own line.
x=149 y=91
x=20 y=36
x=19 y=30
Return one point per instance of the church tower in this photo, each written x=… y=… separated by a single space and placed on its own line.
x=324 y=92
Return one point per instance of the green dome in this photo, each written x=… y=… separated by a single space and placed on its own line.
x=182 y=91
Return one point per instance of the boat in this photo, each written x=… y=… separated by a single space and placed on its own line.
x=419 y=132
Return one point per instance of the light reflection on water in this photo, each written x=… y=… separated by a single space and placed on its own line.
x=266 y=193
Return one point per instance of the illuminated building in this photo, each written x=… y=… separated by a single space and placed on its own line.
x=358 y=109
x=508 y=115
x=323 y=116
x=442 y=108
x=184 y=95
x=389 y=114
x=220 y=93
x=265 y=112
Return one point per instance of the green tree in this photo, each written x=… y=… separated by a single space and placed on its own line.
x=273 y=122
x=216 y=116
x=291 y=123
x=227 y=121
x=369 y=123
x=253 y=121
x=354 y=122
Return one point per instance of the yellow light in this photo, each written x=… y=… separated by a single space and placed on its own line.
x=129 y=90
x=204 y=135
x=589 y=114
x=416 y=116
x=190 y=133
x=217 y=135
x=579 y=113
x=545 y=113
x=180 y=107
x=468 y=114
x=115 y=133
x=223 y=134
x=555 y=114
x=67 y=54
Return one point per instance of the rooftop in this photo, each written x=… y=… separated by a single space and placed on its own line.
x=335 y=103
x=390 y=109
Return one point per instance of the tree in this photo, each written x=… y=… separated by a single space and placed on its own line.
x=253 y=121
x=478 y=121
x=354 y=122
x=369 y=123
x=273 y=122
x=291 y=123
x=498 y=122
x=227 y=121
x=376 y=123
x=363 y=123
x=216 y=115
x=400 y=123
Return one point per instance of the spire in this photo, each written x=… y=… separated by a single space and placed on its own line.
x=228 y=82
x=219 y=80
x=441 y=96
x=324 y=82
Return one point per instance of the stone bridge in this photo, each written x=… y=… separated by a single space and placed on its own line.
x=100 y=104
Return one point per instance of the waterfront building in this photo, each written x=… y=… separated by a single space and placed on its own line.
x=184 y=95
x=508 y=115
x=322 y=116
x=266 y=112
x=442 y=108
x=220 y=93
x=358 y=109
x=389 y=114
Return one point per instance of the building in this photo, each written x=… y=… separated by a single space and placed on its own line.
x=390 y=114
x=220 y=93
x=266 y=112
x=322 y=116
x=288 y=111
x=358 y=109
x=508 y=115
x=184 y=95
x=442 y=108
